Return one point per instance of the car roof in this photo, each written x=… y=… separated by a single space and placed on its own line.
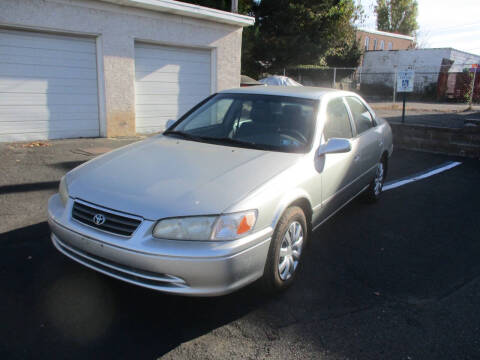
x=307 y=92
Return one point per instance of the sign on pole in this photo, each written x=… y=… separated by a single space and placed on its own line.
x=405 y=84
x=405 y=80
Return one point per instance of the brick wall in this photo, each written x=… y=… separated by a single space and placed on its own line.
x=397 y=43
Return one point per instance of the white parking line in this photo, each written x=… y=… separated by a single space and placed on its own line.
x=431 y=172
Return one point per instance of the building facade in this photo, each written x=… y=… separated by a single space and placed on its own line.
x=378 y=70
x=87 y=68
x=371 y=40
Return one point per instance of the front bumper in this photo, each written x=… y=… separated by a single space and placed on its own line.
x=196 y=268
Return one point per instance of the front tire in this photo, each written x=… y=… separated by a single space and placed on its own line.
x=286 y=248
x=372 y=194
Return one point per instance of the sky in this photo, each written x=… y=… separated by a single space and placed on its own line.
x=442 y=23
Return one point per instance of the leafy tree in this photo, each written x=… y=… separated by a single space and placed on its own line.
x=288 y=33
x=397 y=16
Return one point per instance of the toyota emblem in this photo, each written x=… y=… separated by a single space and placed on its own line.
x=99 y=219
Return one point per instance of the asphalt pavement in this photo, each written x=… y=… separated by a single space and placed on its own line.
x=450 y=115
x=399 y=279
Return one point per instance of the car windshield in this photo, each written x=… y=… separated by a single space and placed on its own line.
x=267 y=122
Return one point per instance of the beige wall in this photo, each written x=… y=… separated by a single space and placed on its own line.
x=116 y=28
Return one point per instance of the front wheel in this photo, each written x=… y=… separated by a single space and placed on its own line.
x=372 y=194
x=286 y=247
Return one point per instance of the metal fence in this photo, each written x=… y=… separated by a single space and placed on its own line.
x=444 y=83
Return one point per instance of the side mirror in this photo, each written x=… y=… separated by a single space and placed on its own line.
x=334 y=146
x=170 y=122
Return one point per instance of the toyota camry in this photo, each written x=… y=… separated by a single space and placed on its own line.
x=229 y=194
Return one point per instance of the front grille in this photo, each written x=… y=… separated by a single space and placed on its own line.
x=114 y=222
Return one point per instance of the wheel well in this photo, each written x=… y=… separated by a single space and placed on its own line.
x=305 y=205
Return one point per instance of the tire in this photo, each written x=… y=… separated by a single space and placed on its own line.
x=372 y=194
x=273 y=279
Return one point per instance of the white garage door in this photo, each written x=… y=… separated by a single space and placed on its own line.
x=48 y=86
x=169 y=82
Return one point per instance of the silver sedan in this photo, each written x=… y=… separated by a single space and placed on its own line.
x=228 y=194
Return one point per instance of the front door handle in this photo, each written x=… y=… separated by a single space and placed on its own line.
x=356 y=158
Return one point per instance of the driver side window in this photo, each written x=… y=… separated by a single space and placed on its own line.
x=362 y=117
x=337 y=123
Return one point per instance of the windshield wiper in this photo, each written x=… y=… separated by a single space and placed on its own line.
x=234 y=142
x=183 y=135
x=219 y=140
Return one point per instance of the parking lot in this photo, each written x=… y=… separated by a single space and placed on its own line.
x=399 y=279
x=450 y=115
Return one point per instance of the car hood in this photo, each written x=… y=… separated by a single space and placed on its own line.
x=164 y=176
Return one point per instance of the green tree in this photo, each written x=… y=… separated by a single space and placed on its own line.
x=397 y=16
x=288 y=33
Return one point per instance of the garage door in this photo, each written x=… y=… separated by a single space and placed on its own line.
x=48 y=86
x=169 y=81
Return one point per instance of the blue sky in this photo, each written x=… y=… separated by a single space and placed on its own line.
x=442 y=23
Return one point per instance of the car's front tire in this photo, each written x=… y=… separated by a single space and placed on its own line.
x=372 y=194
x=286 y=250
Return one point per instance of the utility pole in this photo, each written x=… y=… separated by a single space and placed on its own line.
x=334 y=77
x=395 y=85
x=234 y=6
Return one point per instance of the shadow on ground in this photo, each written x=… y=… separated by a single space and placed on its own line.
x=22 y=188
x=67 y=165
x=416 y=246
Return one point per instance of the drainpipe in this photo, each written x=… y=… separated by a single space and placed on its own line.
x=234 y=6
x=395 y=83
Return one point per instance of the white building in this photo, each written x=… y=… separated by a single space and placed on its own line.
x=379 y=67
x=87 y=68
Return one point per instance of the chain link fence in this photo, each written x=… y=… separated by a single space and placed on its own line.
x=459 y=83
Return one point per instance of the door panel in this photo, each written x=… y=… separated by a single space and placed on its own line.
x=337 y=171
x=367 y=140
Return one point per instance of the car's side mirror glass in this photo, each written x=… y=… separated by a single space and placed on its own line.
x=170 y=122
x=334 y=146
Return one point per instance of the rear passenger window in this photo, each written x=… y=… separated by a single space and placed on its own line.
x=362 y=117
x=338 y=122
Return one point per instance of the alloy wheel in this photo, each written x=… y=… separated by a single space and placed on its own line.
x=290 y=250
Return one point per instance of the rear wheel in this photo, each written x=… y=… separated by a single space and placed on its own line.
x=374 y=191
x=286 y=248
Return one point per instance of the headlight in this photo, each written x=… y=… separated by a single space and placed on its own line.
x=187 y=228
x=234 y=226
x=63 y=191
x=225 y=227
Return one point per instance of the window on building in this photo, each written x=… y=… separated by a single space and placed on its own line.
x=382 y=45
x=374 y=44
x=390 y=46
x=367 y=42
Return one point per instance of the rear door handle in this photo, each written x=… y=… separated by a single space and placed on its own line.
x=356 y=158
